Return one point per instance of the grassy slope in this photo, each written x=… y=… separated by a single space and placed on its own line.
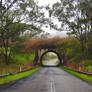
x=18 y=60
x=18 y=76
x=23 y=58
x=81 y=76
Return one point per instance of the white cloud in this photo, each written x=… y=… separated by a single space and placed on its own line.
x=53 y=33
x=46 y=2
x=58 y=34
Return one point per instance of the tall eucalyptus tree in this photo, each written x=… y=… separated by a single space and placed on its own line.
x=74 y=15
x=18 y=17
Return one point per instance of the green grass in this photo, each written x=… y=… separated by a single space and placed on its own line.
x=87 y=62
x=15 y=63
x=84 y=77
x=88 y=69
x=18 y=76
x=23 y=58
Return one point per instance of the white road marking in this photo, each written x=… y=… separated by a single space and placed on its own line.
x=52 y=85
x=54 y=90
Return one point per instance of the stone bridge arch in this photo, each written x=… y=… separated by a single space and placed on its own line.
x=43 y=45
x=42 y=52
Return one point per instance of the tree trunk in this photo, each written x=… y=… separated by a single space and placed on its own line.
x=6 y=59
x=36 y=57
x=84 y=54
x=6 y=51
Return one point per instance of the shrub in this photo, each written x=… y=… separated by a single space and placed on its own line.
x=89 y=68
x=87 y=62
x=71 y=47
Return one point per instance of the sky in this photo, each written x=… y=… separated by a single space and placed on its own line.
x=53 y=33
x=46 y=2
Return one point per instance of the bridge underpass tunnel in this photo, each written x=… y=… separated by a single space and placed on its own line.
x=50 y=59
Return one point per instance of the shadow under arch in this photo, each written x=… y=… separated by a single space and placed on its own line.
x=58 y=55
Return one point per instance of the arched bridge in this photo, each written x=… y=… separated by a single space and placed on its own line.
x=42 y=46
x=42 y=52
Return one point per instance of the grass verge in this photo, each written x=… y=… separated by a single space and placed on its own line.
x=24 y=61
x=18 y=76
x=84 y=77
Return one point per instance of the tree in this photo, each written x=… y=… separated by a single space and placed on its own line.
x=18 y=17
x=73 y=16
x=6 y=24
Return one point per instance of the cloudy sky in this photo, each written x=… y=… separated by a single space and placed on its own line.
x=53 y=33
x=46 y=2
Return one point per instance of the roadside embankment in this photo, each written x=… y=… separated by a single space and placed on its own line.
x=85 y=77
x=18 y=76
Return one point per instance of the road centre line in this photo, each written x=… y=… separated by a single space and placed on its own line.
x=52 y=85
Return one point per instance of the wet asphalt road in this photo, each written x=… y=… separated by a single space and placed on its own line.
x=50 y=79
x=52 y=62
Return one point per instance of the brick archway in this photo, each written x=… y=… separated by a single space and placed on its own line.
x=54 y=51
x=42 y=52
